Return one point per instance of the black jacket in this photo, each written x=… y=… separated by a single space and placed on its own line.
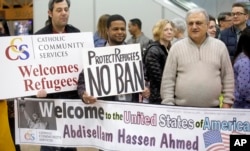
x=49 y=29
x=229 y=37
x=154 y=62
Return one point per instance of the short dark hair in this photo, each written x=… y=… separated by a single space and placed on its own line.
x=52 y=2
x=136 y=21
x=115 y=18
x=222 y=16
x=211 y=18
x=241 y=4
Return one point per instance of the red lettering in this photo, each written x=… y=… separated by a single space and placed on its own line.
x=57 y=84
x=28 y=85
x=24 y=70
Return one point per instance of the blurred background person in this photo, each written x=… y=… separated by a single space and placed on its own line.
x=179 y=30
x=4 y=29
x=230 y=36
x=155 y=57
x=100 y=36
x=242 y=71
x=212 y=30
x=135 y=29
x=224 y=20
x=137 y=36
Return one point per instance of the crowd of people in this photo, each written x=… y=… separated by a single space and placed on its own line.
x=188 y=63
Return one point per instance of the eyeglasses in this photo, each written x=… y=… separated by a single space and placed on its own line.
x=227 y=20
x=238 y=14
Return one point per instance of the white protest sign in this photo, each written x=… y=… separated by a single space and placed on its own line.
x=113 y=70
x=32 y=63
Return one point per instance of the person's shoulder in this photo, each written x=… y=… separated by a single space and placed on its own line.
x=227 y=31
x=45 y=30
x=182 y=43
x=243 y=58
x=48 y=29
x=241 y=62
x=96 y=36
x=212 y=39
x=155 y=48
x=130 y=41
x=153 y=45
x=145 y=39
x=224 y=31
x=71 y=29
x=217 y=43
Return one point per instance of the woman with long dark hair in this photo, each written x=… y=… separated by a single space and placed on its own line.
x=242 y=71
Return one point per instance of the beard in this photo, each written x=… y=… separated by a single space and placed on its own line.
x=113 y=41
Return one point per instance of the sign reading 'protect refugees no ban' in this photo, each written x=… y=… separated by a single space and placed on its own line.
x=113 y=70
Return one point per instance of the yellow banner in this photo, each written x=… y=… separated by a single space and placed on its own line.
x=6 y=142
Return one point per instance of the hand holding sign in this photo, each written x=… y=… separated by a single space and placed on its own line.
x=88 y=99
x=145 y=93
x=41 y=93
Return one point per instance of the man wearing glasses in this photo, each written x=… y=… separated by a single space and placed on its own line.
x=230 y=36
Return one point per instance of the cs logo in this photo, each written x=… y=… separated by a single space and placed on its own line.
x=29 y=136
x=19 y=51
